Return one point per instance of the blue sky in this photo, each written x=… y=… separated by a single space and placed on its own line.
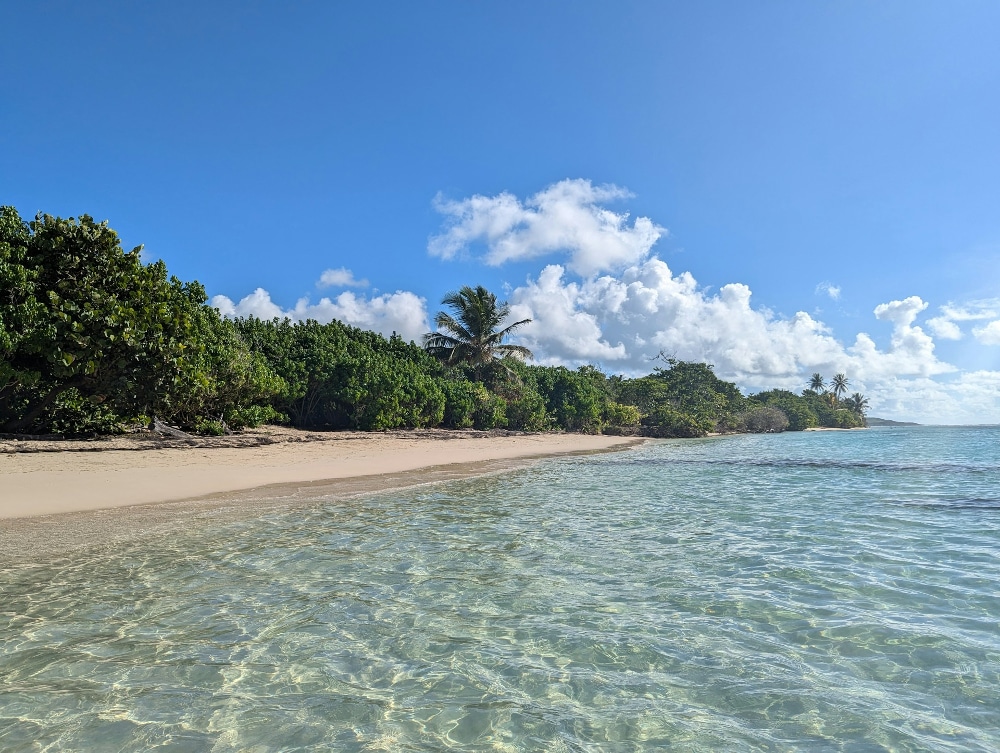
x=777 y=188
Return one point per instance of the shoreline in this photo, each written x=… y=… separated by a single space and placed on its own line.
x=49 y=480
x=835 y=428
x=351 y=465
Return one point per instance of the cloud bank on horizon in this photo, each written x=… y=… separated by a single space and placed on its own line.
x=607 y=298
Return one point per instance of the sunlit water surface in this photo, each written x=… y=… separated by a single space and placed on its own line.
x=819 y=591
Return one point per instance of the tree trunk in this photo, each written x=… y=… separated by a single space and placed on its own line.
x=17 y=425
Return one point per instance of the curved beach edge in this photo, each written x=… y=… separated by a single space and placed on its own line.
x=56 y=504
x=46 y=484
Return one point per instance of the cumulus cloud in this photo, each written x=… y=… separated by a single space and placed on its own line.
x=828 y=288
x=970 y=398
x=946 y=326
x=258 y=304
x=566 y=217
x=902 y=313
x=625 y=321
x=989 y=334
x=401 y=312
x=340 y=278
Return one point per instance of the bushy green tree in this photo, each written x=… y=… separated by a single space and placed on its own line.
x=764 y=419
x=340 y=377
x=620 y=418
x=459 y=403
x=575 y=400
x=797 y=408
x=666 y=421
x=526 y=409
x=688 y=389
x=79 y=313
x=230 y=385
x=858 y=404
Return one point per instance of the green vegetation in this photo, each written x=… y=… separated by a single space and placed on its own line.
x=473 y=335
x=92 y=340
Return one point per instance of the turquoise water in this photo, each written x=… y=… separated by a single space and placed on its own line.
x=819 y=591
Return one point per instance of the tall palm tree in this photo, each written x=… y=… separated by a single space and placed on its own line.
x=838 y=385
x=816 y=383
x=471 y=334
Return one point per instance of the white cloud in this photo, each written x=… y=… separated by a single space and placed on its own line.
x=902 y=313
x=971 y=398
x=401 y=312
x=622 y=322
x=988 y=334
x=828 y=288
x=565 y=217
x=625 y=321
x=986 y=308
x=258 y=304
x=340 y=278
x=945 y=327
x=560 y=330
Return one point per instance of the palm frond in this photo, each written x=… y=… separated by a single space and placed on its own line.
x=472 y=332
x=444 y=321
x=517 y=351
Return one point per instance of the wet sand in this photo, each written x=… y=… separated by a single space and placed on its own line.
x=59 y=497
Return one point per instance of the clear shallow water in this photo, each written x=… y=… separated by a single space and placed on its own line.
x=820 y=591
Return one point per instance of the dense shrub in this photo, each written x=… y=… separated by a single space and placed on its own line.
x=78 y=313
x=459 y=405
x=797 y=409
x=620 y=418
x=526 y=411
x=490 y=409
x=764 y=419
x=667 y=421
x=574 y=399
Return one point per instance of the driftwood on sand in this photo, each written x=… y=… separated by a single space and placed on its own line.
x=161 y=428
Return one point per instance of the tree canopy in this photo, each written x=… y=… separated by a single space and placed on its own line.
x=93 y=340
x=473 y=332
x=80 y=314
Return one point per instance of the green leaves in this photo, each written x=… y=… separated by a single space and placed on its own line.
x=88 y=316
x=471 y=334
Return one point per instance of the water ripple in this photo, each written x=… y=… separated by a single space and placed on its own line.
x=671 y=598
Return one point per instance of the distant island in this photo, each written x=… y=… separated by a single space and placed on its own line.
x=872 y=421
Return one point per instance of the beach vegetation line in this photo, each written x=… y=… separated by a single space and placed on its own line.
x=95 y=341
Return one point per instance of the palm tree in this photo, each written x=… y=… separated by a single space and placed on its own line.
x=857 y=403
x=471 y=334
x=816 y=383
x=838 y=385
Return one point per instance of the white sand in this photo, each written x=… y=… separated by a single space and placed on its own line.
x=57 y=482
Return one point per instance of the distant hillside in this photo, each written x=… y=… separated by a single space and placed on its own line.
x=872 y=421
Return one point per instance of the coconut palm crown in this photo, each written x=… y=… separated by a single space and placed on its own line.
x=816 y=382
x=838 y=385
x=857 y=403
x=471 y=334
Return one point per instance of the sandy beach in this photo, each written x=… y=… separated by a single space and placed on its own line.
x=56 y=478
